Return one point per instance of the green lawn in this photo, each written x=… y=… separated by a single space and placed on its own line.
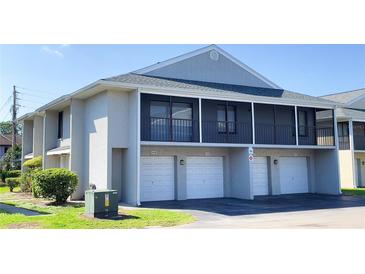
x=353 y=191
x=4 y=189
x=71 y=216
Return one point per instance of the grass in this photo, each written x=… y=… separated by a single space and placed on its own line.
x=5 y=189
x=353 y=191
x=71 y=216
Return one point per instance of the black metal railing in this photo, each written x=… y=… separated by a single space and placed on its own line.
x=344 y=142
x=169 y=130
x=359 y=136
x=316 y=136
x=275 y=134
x=226 y=132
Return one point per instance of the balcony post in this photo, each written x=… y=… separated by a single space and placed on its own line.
x=351 y=135
x=335 y=133
x=253 y=122
x=200 y=121
x=296 y=125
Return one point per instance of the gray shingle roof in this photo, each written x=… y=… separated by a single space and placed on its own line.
x=345 y=97
x=139 y=79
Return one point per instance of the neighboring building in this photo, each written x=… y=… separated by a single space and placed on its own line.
x=351 y=131
x=187 y=128
x=6 y=142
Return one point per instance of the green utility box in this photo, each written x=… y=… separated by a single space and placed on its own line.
x=101 y=203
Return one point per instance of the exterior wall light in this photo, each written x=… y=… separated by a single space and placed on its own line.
x=276 y=161
x=182 y=162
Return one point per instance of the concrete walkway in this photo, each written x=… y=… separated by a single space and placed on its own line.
x=14 y=210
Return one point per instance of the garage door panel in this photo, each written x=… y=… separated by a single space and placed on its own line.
x=204 y=177
x=293 y=175
x=157 y=179
x=260 y=176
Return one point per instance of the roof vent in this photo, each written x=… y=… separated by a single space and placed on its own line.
x=214 y=55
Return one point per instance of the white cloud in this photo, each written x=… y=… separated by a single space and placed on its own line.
x=65 y=45
x=50 y=51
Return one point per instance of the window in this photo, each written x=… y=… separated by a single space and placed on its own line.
x=60 y=125
x=182 y=111
x=302 y=123
x=226 y=117
x=171 y=121
x=159 y=109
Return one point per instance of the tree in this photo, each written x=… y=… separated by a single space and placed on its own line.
x=12 y=159
x=6 y=128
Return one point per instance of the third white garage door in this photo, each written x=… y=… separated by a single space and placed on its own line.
x=204 y=177
x=260 y=176
x=293 y=175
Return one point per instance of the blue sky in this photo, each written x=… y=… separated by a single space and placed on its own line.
x=44 y=72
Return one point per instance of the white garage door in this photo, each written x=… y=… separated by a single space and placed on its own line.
x=204 y=177
x=157 y=179
x=293 y=175
x=260 y=176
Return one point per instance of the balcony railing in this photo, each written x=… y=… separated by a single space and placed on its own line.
x=321 y=136
x=184 y=130
x=226 y=132
x=169 y=130
x=344 y=142
x=359 y=136
x=275 y=134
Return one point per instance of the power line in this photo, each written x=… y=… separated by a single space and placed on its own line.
x=6 y=102
x=38 y=91
x=38 y=96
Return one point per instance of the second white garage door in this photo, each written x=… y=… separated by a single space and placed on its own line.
x=157 y=179
x=293 y=175
x=204 y=177
x=260 y=176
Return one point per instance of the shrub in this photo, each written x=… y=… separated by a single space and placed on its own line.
x=13 y=173
x=55 y=183
x=30 y=167
x=34 y=163
x=9 y=174
x=12 y=183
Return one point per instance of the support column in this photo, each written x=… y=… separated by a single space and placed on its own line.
x=200 y=121
x=76 y=145
x=253 y=122
x=296 y=125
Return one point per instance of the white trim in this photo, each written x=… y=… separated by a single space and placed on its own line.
x=59 y=152
x=253 y=122
x=138 y=147
x=203 y=50
x=29 y=156
x=200 y=121
x=359 y=151
x=296 y=125
x=187 y=144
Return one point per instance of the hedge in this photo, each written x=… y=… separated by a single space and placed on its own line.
x=54 y=183
x=34 y=163
x=12 y=183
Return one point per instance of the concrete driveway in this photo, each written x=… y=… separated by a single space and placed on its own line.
x=284 y=211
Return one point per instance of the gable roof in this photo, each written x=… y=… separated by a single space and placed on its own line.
x=347 y=97
x=253 y=92
x=160 y=65
x=5 y=140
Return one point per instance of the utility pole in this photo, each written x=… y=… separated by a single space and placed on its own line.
x=14 y=111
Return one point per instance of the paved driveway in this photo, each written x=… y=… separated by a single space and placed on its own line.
x=284 y=211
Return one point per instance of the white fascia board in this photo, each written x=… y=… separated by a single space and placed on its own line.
x=203 y=50
x=187 y=144
x=29 y=156
x=59 y=152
